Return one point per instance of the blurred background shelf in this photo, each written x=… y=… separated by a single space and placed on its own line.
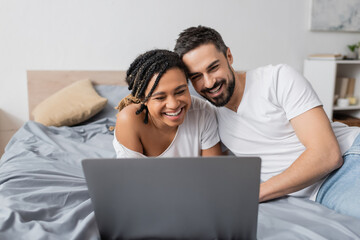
x=323 y=75
x=351 y=107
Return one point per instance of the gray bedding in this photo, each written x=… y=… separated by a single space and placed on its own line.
x=43 y=193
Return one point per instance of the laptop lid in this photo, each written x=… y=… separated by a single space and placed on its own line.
x=175 y=198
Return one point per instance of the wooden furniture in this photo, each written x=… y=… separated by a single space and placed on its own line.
x=324 y=75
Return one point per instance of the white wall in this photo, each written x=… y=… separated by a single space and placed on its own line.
x=109 y=34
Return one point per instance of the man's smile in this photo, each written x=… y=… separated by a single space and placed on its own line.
x=216 y=90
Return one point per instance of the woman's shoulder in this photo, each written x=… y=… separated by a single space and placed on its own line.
x=129 y=126
x=128 y=122
x=202 y=105
x=201 y=110
x=128 y=116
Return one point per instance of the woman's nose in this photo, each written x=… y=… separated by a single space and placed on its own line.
x=172 y=102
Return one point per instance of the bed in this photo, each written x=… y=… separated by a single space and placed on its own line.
x=43 y=193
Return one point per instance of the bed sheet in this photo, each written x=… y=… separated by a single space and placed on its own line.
x=43 y=193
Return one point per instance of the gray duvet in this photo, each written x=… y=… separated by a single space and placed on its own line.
x=43 y=193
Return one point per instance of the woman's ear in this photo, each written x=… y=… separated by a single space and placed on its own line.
x=229 y=56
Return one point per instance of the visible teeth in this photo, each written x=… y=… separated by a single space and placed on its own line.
x=216 y=89
x=174 y=114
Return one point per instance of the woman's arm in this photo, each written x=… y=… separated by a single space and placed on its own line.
x=213 y=151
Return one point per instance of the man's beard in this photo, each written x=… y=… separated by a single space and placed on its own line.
x=225 y=97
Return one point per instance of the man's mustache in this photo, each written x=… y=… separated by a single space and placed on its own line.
x=215 y=86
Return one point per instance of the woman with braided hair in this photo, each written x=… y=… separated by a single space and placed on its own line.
x=159 y=117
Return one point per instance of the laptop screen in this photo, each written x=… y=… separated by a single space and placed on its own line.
x=175 y=198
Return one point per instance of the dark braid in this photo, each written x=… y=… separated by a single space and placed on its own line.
x=161 y=72
x=136 y=64
x=134 y=69
x=142 y=70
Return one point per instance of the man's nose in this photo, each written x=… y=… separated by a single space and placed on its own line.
x=209 y=81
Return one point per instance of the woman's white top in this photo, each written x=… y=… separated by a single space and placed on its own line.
x=198 y=131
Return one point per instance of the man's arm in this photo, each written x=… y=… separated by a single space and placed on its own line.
x=322 y=155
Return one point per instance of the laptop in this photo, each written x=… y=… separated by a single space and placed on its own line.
x=175 y=198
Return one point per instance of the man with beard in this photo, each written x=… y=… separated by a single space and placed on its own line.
x=274 y=113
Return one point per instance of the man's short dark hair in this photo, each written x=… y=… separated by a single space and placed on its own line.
x=193 y=37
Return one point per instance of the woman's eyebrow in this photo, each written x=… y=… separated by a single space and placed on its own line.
x=157 y=93
x=176 y=89
x=181 y=86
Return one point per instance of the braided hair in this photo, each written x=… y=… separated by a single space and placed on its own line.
x=140 y=72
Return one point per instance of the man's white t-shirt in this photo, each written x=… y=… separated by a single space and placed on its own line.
x=272 y=96
x=198 y=131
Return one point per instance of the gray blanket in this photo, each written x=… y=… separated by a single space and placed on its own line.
x=43 y=193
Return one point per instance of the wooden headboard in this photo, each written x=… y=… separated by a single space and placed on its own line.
x=42 y=84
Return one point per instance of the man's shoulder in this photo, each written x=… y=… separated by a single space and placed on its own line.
x=270 y=73
x=270 y=68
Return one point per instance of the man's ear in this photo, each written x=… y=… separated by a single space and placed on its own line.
x=229 y=56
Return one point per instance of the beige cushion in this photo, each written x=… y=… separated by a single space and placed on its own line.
x=69 y=106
